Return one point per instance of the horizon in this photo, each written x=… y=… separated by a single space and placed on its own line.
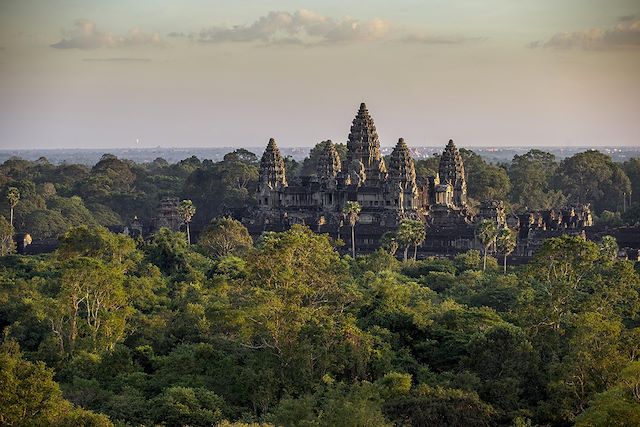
x=204 y=74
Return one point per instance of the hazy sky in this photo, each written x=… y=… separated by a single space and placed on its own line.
x=97 y=73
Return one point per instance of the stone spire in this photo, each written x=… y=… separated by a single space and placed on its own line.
x=272 y=170
x=451 y=171
x=363 y=145
x=401 y=165
x=328 y=161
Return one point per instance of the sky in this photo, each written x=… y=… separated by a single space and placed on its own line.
x=206 y=73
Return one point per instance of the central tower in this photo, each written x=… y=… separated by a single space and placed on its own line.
x=363 y=149
x=451 y=171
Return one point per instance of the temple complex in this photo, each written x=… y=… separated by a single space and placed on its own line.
x=388 y=194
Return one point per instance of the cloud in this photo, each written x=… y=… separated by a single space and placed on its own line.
x=627 y=18
x=626 y=34
x=300 y=27
x=116 y=59
x=435 y=39
x=85 y=35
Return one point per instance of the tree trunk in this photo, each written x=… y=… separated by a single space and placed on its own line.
x=353 y=241
x=415 y=251
x=505 y=263
x=484 y=262
x=11 y=221
x=188 y=235
x=406 y=253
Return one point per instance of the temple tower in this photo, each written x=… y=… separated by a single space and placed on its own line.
x=328 y=163
x=451 y=171
x=272 y=176
x=364 y=160
x=403 y=190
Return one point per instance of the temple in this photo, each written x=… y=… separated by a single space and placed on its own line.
x=387 y=194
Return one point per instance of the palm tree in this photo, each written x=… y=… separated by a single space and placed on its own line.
x=351 y=211
x=418 y=235
x=486 y=232
x=505 y=243
x=187 y=211
x=13 y=195
x=404 y=235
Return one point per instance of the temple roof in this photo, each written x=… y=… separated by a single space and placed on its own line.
x=272 y=169
x=401 y=165
x=363 y=143
x=328 y=161
x=451 y=167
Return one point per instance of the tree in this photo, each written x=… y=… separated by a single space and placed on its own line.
x=485 y=181
x=389 y=242
x=404 y=235
x=241 y=155
x=97 y=242
x=180 y=406
x=30 y=396
x=505 y=243
x=592 y=177
x=6 y=237
x=293 y=297
x=531 y=176
x=486 y=232
x=351 y=211
x=187 y=211
x=439 y=406
x=225 y=236
x=91 y=309
x=411 y=232
x=632 y=169
x=13 y=196
x=418 y=236
x=609 y=248
x=619 y=405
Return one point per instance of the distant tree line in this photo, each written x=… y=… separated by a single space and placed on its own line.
x=45 y=199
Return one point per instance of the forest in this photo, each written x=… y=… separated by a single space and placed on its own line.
x=55 y=197
x=287 y=330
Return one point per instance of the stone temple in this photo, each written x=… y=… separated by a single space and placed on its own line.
x=387 y=194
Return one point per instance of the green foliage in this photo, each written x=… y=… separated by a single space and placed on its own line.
x=7 y=245
x=592 y=177
x=486 y=232
x=618 y=405
x=428 y=406
x=187 y=406
x=30 y=396
x=291 y=333
x=485 y=181
x=225 y=236
x=531 y=176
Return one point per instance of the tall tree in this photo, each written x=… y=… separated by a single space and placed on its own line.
x=187 y=210
x=592 y=177
x=225 y=236
x=351 y=211
x=30 y=397
x=404 y=235
x=389 y=242
x=505 y=243
x=486 y=232
x=485 y=181
x=418 y=234
x=13 y=196
x=91 y=309
x=6 y=237
x=531 y=176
